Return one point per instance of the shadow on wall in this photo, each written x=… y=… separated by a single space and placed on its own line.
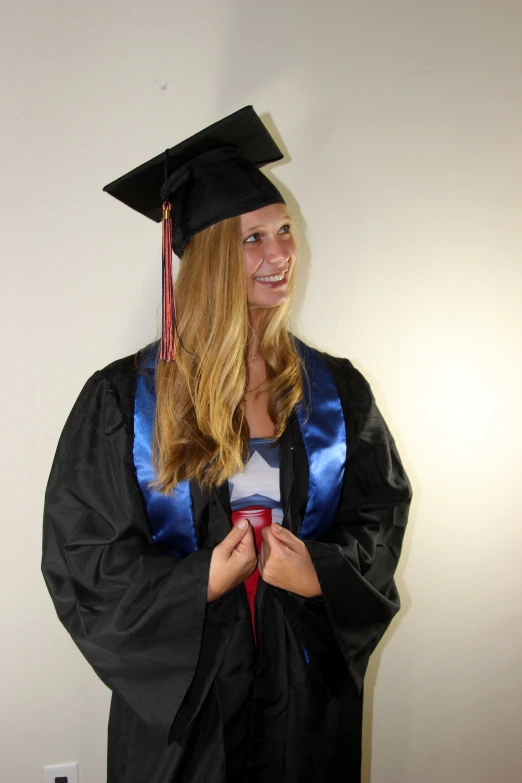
x=303 y=272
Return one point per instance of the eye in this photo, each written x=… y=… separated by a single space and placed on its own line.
x=252 y=238
x=285 y=229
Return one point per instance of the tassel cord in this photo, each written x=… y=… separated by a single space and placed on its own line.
x=169 y=320
x=169 y=314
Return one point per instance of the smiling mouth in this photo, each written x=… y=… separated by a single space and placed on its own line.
x=271 y=278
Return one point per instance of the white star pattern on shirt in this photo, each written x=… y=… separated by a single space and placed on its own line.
x=258 y=479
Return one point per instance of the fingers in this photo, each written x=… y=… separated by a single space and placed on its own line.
x=232 y=561
x=262 y=558
x=287 y=538
x=276 y=535
x=236 y=535
x=271 y=541
x=243 y=557
x=246 y=545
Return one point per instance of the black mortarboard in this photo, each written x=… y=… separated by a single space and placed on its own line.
x=211 y=176
x=207 y=178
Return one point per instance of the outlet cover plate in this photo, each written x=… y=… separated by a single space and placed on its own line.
x=69 y=771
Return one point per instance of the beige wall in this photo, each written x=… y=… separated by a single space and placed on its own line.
x=404 y=123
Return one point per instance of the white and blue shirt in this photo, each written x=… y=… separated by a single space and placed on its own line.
x=258 y=485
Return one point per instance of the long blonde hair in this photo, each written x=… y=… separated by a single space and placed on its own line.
x=200 y=430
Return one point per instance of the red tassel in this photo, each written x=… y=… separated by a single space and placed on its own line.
x=168 y=314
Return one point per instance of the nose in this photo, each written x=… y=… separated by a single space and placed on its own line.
x=277 y=251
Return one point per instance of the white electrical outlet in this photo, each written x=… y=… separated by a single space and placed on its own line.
x=68 y=771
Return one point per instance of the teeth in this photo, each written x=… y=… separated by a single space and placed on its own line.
x=270 y=278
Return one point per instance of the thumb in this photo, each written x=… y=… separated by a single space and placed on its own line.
x=236 y=535
x=286 y=537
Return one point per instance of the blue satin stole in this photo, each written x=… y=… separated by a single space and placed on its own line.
x=321 y=421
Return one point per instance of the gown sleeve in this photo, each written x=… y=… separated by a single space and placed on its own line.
x=136 y=614
x=356 y=561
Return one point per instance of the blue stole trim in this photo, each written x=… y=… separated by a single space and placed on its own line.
x=321 y=421
x=171 y=517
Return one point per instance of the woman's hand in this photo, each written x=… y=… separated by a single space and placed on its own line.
x=284 y=561
x=232 y=561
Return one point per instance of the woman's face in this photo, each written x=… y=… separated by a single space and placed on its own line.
x=269 y=252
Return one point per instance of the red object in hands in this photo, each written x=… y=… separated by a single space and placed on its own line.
x=259 y=517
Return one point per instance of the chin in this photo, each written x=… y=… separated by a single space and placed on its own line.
x=258 y=304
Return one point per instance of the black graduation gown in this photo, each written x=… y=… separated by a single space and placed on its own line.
x=193 y=699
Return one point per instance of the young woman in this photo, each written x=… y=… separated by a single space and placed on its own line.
x=221 y=531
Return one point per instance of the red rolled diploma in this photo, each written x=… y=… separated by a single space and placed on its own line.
x=259 y=517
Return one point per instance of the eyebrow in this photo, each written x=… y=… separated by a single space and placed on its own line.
x=284 y=219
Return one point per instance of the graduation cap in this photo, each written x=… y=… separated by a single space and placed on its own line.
x=205 y=179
